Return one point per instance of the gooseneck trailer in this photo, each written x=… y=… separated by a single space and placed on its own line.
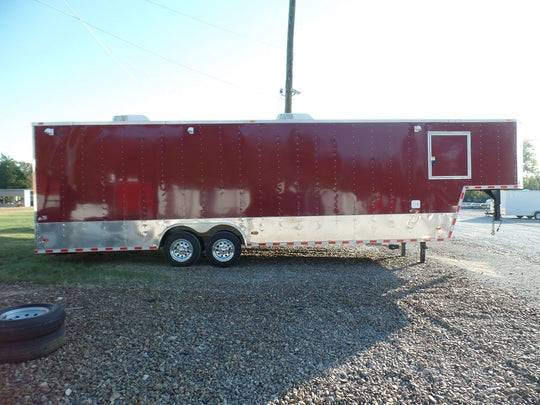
x=189 y=187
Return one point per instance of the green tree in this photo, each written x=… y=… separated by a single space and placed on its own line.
x=14 y=174
x=531 y=182
x=531 y=171
x=530 y=164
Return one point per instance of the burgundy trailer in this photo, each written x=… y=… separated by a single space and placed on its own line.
x=189 y=186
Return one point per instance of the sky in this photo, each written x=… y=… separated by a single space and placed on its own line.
x=187 y=60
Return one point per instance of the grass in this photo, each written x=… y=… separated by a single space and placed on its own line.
x=18 y=262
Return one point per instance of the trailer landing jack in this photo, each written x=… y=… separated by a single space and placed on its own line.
x=403 y=250
x=423 y=248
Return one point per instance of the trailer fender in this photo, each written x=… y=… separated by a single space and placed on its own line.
x=203 y=231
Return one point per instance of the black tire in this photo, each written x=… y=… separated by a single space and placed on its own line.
x=182 y=249
x=223 y=249
x=537 y=215
x=30 y=321
x=14 y=352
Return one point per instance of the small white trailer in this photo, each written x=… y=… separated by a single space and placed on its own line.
x=521 y=203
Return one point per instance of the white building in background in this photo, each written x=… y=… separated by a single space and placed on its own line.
x=16 y=197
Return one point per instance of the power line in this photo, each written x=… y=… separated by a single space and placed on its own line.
x=215 y=26
x=89 y=29
x=142 y=48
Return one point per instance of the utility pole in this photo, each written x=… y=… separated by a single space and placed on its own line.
x=290 y=41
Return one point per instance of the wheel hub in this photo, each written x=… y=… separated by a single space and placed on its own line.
x=181 y=250
x=223 y=250
x=24 y=313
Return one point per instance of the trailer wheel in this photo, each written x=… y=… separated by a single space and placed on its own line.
x=29 y=321
x=182 y=249
x=14 y=352
x=223 y=249
x=537 y=215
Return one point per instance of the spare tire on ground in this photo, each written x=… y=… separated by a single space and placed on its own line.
x=30 y=331
x=29 y=321
x=14 y=352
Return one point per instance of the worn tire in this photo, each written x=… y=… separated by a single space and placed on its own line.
x=14 y=352
x=24 y=322
x=223 y=249
x=182 y=249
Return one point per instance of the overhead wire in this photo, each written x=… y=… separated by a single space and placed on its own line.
x=142 y=48
x=215 y=26
x=107 y=49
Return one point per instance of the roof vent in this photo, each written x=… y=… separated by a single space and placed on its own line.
x=130 y=117
x=293 y=116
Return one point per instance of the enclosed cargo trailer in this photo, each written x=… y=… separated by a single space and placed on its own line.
x=521 y=203
x=190 y=186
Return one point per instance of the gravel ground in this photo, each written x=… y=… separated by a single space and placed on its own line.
x=291 y=326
